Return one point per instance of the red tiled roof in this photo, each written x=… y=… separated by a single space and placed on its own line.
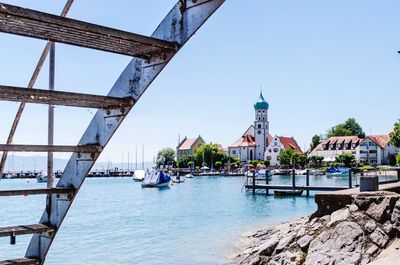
x=186 y=144
x=244 y=141
x=381 y=140
x=290 y=142
x=270 y=138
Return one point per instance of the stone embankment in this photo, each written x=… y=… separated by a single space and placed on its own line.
x=354 y=234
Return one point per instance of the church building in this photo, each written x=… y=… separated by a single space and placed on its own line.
x=256 y=143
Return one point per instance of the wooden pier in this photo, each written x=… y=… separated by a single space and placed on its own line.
x=255 y=184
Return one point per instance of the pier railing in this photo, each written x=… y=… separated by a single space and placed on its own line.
x=255 y=183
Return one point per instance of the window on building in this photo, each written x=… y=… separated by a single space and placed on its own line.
x=373 y=151
x=363 y=152
x=259 y=132
x=233 y=152
x=372 y=144
x=263 y=118
x=259 y=126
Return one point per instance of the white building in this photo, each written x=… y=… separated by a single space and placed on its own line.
x=276 y=145
x=372 y=149
x=256 y=143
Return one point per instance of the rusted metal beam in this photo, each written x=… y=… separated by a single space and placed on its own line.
x=35 y=24
x=21 y=261
x=50 y=128
x=25 y=230
x=30 y=85
x=52 y=148
x=27 y=192
x=61 y=98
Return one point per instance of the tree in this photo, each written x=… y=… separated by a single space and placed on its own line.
x=316 y=161
x=267 y=163
x=398 y=159
x=348 y=128
x=347 y=159
x=302 y=160
x=218 y=165
x=209 y=154
x=395 y=135
x=288 y=156
x=315 y=141
x=166 y=157
x=185 y=160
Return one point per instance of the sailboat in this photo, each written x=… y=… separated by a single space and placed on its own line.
x=154 y=179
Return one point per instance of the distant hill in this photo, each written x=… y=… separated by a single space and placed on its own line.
x=39 y=163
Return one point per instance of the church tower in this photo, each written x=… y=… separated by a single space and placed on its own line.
x=261 y=127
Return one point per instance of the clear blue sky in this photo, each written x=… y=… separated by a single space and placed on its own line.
x=319 y=62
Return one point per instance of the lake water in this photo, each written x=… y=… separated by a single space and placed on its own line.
x=115 y=221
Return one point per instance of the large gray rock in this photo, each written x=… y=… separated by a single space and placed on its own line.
x=339 y=215
x=372 y=250
x=370 y=226
x=285 y=241
x=379 y=210
x=379 y=237
x=336 y=246
x=395 y=218
x=304 y=242
x=268 y=247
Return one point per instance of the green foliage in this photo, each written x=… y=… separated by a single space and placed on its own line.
x=392 y=159
x=316 y=161
x=398 y=159
x=267 y=163
x=302 y=160
x=288 y=157
x=166 y=157
x=366 y=167
x=347 y=159
x=185 y=160
x=190 y=164
x=218 y=165
x=348 y=128
x=208 y=155
x=395 y=135
x=316 y=140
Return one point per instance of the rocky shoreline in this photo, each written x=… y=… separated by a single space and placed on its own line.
x=354 y=234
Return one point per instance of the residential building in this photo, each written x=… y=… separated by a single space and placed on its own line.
x=276 y=145
x=371 y=149
x=188 y=147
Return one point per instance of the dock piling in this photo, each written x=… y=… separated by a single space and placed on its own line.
x=398 y=174
x=350 y=180
x=266 y=181
x=294 y=178
x=308 y=182
x=254 y=182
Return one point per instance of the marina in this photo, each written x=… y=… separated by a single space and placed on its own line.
x=134 y=223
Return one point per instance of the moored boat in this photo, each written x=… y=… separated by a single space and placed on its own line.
x=154 y=179
x=138 y=175
x=295 y=192
x=41 y=179
x=337 y=172
x=178 y=179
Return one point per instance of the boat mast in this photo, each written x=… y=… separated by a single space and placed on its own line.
x=143 y=156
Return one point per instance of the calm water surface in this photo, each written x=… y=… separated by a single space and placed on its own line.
x=115 y=221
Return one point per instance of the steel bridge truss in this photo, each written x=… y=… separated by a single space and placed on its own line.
x=150 y=56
